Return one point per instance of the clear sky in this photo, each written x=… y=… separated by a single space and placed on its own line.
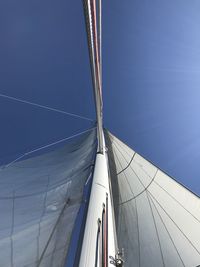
x=151 y=77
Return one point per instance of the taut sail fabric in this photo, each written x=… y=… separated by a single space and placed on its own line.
x=157 y=219
x=39 y=201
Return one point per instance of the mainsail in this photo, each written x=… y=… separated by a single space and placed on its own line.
x=157 y=219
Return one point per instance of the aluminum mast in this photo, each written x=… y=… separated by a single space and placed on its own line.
x=99 y=235
x=95 y=61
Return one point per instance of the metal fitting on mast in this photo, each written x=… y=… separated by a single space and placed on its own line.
x=117 y=260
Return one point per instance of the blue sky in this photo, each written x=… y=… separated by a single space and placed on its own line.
x=151 y=77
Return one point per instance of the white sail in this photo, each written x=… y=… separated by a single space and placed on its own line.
x=39 y=201
x=157 y=219
x=50 y=219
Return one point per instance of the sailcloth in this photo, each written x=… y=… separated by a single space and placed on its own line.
x=39 y=201
x=157 y=219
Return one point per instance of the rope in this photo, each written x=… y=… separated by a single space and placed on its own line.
x=44 y=107
x=46 y=146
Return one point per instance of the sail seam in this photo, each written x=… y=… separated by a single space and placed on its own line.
x=173 y=197
x=134 y=197
x=125 y=175
x=43 y=212
x=153 y=164
x=136 y=210
x=120 y=145
x=167 y=231
x=132 y=168
x=175 y=224
x=128 y=163
x=156 y=229
x=122 y=213
x=178 y=202
x=145 y=188
x=53 y=230
x=116 y=140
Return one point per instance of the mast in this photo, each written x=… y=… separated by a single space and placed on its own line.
x=99 y=244
x=94 y=45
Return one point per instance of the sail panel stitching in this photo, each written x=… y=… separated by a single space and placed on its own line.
x=129 y=163
x=53 y=230
x=178 y=202
x=124 y=175
x=138 y=236
x=167 y=230
x=171 y=177
x=43 y=212
x=140 y=168
x=145 y=188
x=175 y=223
x=156 y=229
x=123 y=148
x=119 y=142
x=136 y=210
x=172 y=197
x=141 y=191
x=120 y=208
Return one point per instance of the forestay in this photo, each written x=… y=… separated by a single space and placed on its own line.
x=39 y=201
x=157 y=219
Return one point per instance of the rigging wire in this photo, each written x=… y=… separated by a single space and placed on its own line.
x=45 y=107
x=46 y=146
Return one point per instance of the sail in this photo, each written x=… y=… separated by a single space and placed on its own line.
x=157 y=219
x=39 y=201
